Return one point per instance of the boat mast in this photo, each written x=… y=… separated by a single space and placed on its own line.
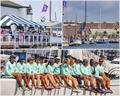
x=75 y=26
x=85 y=11
x=84 y=23
x=100 y=18
x=85 y=19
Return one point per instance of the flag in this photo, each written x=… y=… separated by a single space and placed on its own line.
x=64 y=4
x=45 y=7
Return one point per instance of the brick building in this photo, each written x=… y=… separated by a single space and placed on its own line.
x=75 y=29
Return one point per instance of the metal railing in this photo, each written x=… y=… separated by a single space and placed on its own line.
x=18 y=40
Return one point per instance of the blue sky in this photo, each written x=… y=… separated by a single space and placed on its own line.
x=37 y=6
x=109 y=11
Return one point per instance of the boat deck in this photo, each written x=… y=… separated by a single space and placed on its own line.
x=10 y=84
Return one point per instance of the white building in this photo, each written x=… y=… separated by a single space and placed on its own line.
x=11 y=8
x=55 y=30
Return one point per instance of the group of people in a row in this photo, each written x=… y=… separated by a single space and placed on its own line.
x=21 y=34
x=72 y=73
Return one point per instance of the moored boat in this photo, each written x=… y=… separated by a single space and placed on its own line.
x=113 y=41
x=65 y=43
x=75 y=42
x=102 y=41
x=86 y=42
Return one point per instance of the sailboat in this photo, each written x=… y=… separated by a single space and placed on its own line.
x=85 y=41
x=76 y=41
x=101 y=40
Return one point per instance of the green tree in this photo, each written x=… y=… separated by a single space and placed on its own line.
x=93 y=36
x=100 y=34
x=96 y=33
x=113 y=35
x=118 y=32
x=105 y=33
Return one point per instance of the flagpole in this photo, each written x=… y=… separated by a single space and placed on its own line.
x=50 y=11
x=55 y=17
x=50 y=21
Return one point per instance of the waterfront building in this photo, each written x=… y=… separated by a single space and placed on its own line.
x=11 y=8
x=92 y=30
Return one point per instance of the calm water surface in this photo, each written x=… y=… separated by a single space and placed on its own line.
x=94 y=46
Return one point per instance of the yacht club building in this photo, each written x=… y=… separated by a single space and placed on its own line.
x=11 y=8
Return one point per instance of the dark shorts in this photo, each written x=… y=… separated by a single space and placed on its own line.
x=78 y=79
x=97 y=82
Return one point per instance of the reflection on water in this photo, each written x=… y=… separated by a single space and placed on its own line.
x=89 y=46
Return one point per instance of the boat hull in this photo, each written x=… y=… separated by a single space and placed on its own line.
x=8 y=87
x=113 y=42
x=101 y=42
x=75 y=43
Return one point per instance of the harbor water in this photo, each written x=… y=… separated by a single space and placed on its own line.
x=94 y=46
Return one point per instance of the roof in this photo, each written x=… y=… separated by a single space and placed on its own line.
x=66 y=21
x=57 y=25
x=50 y=24
x=8 y=3
x=8 y=20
